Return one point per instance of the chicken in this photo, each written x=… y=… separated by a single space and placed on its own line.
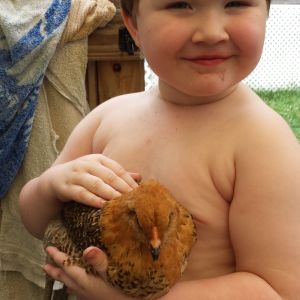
x=146 y=234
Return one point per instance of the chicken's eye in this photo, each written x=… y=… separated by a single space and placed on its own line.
x=134 y=216
x=171 y=217
x=138 y=222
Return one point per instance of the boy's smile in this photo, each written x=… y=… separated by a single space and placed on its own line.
x=209 y=60
x=201 y=48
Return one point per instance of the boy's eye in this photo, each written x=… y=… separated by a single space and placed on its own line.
x=179 y=5
x=236 y=4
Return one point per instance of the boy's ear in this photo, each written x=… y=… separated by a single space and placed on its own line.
x=131 y=27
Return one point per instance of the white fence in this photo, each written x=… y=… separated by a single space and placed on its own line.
x=280 y=63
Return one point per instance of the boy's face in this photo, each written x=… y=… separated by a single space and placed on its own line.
x=201 y=47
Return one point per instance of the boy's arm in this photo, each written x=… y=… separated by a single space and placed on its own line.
x=77 y=174
x=235 y=286
x=264 y=222
x=264 y=218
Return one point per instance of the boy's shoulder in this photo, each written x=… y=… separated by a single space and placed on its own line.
x=262 y=119
x=117 y=105
x=255 y=115
x=253 y=125
x=123 y=100
x=261 y=127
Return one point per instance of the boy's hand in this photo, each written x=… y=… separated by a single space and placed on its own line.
x=91 y=180
x=77 y=281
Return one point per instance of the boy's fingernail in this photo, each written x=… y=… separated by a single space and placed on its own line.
x=48 y=249
x=45 y=268
x=117 y=194
x=90 y=254
x=98 y=203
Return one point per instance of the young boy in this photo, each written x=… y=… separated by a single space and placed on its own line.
x=225 y=155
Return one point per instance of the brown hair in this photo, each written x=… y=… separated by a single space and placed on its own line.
x=130 y=6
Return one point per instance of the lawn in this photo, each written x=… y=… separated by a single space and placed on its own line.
x=287 y=103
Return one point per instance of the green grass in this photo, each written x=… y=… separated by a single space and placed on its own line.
x=287 y=103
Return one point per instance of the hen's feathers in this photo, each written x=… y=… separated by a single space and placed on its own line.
x=127 y=228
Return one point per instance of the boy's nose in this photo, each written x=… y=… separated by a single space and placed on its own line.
x=210 y=29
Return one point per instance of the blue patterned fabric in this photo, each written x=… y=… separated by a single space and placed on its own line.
x=29 y=34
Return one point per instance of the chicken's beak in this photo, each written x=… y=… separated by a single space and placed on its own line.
x=155 y=244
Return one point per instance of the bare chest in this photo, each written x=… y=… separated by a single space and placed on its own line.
x=197 y=167
x=180 y=154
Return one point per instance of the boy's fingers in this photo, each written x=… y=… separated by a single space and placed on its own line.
x=82 y=195
x=61 y=271
x=97 y=258
x=58 y=257
x=113 y=180
x=136 y=176
x=57 y=272
x=118 y=170
x=95 y=183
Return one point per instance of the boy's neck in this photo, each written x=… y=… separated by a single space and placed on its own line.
x=171 y=95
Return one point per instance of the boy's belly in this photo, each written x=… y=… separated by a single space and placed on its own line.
x=210 y=257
